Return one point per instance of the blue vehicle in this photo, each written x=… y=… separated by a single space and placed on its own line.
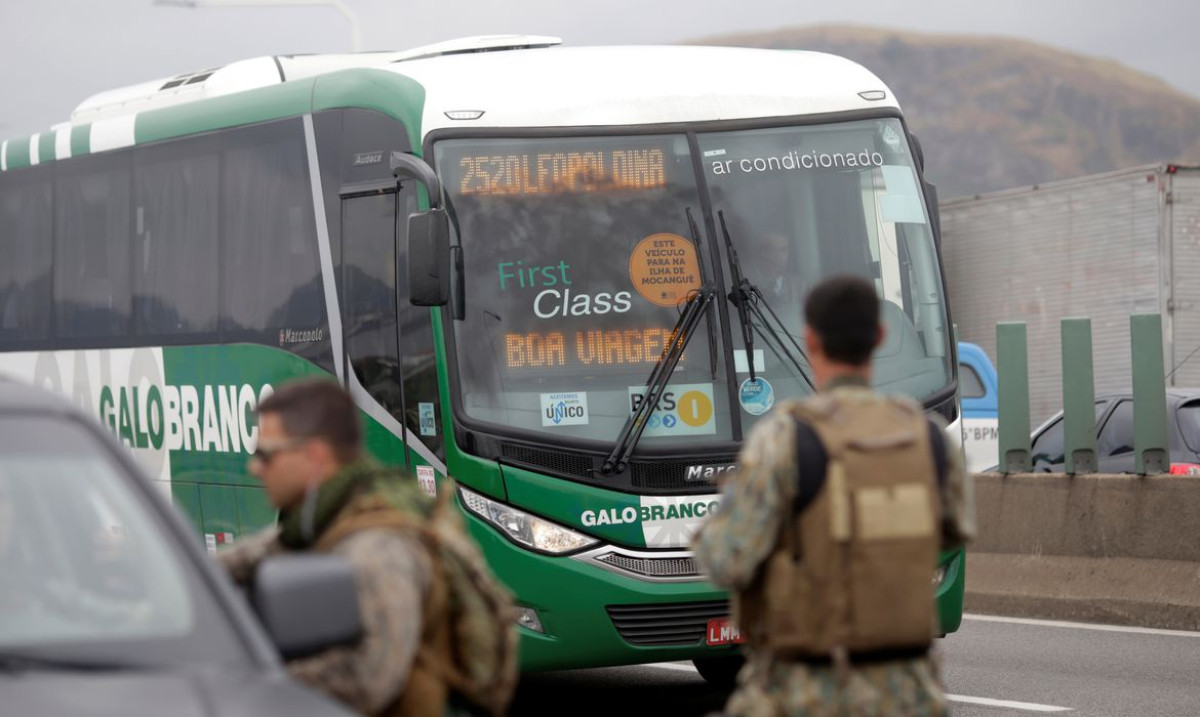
x=980 y=406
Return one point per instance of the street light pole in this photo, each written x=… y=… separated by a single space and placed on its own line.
x=341 y=7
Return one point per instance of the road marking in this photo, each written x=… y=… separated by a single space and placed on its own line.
x=1081 y=625
x=1008 y=704
x=678 y=666
x=986 y=701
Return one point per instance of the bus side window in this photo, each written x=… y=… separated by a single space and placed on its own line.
x=272 y=288
x=91 y=276
x=176 y=238
x=26 y=233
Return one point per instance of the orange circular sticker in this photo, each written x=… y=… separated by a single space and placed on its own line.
x=694 y=408
x=663 y=269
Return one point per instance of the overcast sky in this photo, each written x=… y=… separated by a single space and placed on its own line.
x=54 y=53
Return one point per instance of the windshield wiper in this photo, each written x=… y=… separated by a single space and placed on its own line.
x=740 y=296
x=696 y=306
x=746 y=296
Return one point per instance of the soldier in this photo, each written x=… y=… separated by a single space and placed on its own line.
x=309 y=459
x=828 y=536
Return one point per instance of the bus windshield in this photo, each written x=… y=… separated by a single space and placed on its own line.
x=806 y=203
x=578 y=253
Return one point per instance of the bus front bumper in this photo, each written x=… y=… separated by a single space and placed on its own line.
x=593 y=617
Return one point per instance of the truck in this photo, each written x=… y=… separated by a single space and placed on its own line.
x=1104 y=246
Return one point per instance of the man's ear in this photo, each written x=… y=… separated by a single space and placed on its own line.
x=317 y=452
x=880 y=335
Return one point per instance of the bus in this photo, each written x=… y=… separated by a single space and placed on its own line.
x=568 y=277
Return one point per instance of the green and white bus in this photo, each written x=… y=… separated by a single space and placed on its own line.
x=568 y=277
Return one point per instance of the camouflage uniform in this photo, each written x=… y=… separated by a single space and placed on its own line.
x=733 y=544
x=393 y=574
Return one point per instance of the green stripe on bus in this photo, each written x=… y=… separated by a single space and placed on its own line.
x=209 y=369
x=46 y=148
x=81 y=140
x=18 y=153
x=395 y=95
x=287 y=100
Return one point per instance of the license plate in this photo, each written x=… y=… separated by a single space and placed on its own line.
x=722 y=632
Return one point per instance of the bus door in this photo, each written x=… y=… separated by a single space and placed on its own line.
x=369 y=318
x=391 y=367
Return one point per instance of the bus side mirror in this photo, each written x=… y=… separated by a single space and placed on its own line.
x=929 y=190
x=935 y=214
x=429 y=258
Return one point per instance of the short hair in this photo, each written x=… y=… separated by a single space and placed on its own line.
x=844 y=313
x=318 y=408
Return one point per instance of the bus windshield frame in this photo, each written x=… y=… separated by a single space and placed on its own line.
x=709 y=401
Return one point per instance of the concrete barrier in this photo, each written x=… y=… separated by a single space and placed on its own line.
x=1121 y=549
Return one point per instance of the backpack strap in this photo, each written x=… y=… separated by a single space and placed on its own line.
x=812 y=462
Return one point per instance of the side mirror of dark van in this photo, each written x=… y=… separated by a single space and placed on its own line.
x=307 y=603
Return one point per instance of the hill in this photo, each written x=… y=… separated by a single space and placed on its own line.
x=995 y=113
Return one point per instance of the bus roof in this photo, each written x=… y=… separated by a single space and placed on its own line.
x=507 y=81
x=599 y=86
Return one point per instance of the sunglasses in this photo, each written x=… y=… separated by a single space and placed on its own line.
x=266 y=454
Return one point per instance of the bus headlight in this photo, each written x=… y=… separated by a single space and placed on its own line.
x=939 y=576
x=523 y=528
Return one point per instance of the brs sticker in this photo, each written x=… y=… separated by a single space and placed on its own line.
x=565 y=409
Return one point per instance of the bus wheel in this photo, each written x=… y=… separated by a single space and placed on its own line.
x=720 y=671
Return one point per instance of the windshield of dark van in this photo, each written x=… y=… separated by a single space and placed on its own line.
x=87 y=571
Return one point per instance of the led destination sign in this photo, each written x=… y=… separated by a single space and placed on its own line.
x=557 y=172
x=597 y=347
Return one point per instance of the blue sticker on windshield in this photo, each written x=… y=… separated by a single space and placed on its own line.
x=756 y=396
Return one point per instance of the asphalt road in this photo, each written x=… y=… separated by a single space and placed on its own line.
x=993 y=668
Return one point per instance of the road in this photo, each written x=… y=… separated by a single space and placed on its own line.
x=994 y=667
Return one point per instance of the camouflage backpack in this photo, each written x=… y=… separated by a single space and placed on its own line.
x=479 y=611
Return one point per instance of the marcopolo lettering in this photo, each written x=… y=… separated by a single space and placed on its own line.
x=707 y=473
x=190 y=418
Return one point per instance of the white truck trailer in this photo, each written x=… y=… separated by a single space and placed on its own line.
x=1104 y=246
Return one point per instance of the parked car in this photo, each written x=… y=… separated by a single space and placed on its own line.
x=109 y=605
x=977 y=391
x=1114 y=434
